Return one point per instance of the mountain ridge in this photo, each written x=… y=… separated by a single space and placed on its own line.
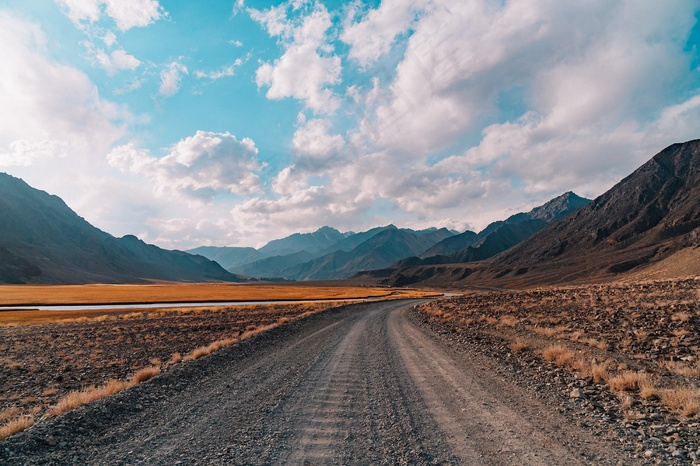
x=43 y=241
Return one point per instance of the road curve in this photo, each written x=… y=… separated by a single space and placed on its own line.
x=360 y=385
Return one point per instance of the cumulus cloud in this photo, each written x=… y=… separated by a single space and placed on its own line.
x=171 y=78
x=117 y=60
x=48 y=108
x=373 y=35
x=199 y=167
x=315 y=148
x=308 y=66
x=126 y=14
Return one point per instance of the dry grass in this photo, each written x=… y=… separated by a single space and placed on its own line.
x=16 y=425
x=683 y=369
x=685 y=401
x=559 y=355
x=681 y=317
x=628 y=381
x=9 y=413
x=176 y=292
x=80 y=397
x=175 y=358
x=145 y=374
x=549 y=332
x=508 y=321
x=599 y=372
x=518 y=346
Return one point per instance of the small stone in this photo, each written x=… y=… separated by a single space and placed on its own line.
x=677 y=453
x=51 y=441
x=576 y=393
x=648 y=454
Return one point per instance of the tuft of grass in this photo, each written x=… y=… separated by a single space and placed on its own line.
x=145 y=374
x=9 y=413
x=518 y=346
x=599 y=372
x=680 y=368
x=628 y=381
x=681 y=317
x=508 y=321
x=685 y=401
x=175 y=358
x=77 y=398
x=558 y=354
x=16 y=425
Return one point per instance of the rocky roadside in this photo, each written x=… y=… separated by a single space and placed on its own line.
x=654 y=435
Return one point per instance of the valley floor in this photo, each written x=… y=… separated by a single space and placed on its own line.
x=362 y=384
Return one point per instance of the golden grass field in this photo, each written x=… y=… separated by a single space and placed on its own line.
x=21 y=295
x=35 y=295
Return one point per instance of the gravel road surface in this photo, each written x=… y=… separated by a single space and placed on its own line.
x=363 y=384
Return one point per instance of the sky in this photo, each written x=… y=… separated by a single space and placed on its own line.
x=231 y=123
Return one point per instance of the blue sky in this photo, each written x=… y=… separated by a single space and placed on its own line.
x=235 y=122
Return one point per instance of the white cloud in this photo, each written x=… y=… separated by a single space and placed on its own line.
x=199 y=167
x=125 y=13
x=307 y=67
x=315 y=148
x=171 y=78
x=46 y=105
x=224 y=72
x=109 y=39
x=372 y=36
x=118 y=60
x=236 y=43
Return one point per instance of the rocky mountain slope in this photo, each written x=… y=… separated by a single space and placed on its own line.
x=648 y=216
x=501 y=235
x=43 y=241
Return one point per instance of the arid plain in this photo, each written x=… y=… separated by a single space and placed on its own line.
x=49 y=355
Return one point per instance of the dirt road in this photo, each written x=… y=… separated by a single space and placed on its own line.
x=360 y=385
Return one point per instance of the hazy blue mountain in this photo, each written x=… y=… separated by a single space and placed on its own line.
x=309 y=242
x=380 y=250
x=451 y=244
x=274 y=266
x=43 y=241
x=229 y=258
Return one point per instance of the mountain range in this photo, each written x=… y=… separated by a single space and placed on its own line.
x=646 y=220
x=43 y=241
x=328 y=254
